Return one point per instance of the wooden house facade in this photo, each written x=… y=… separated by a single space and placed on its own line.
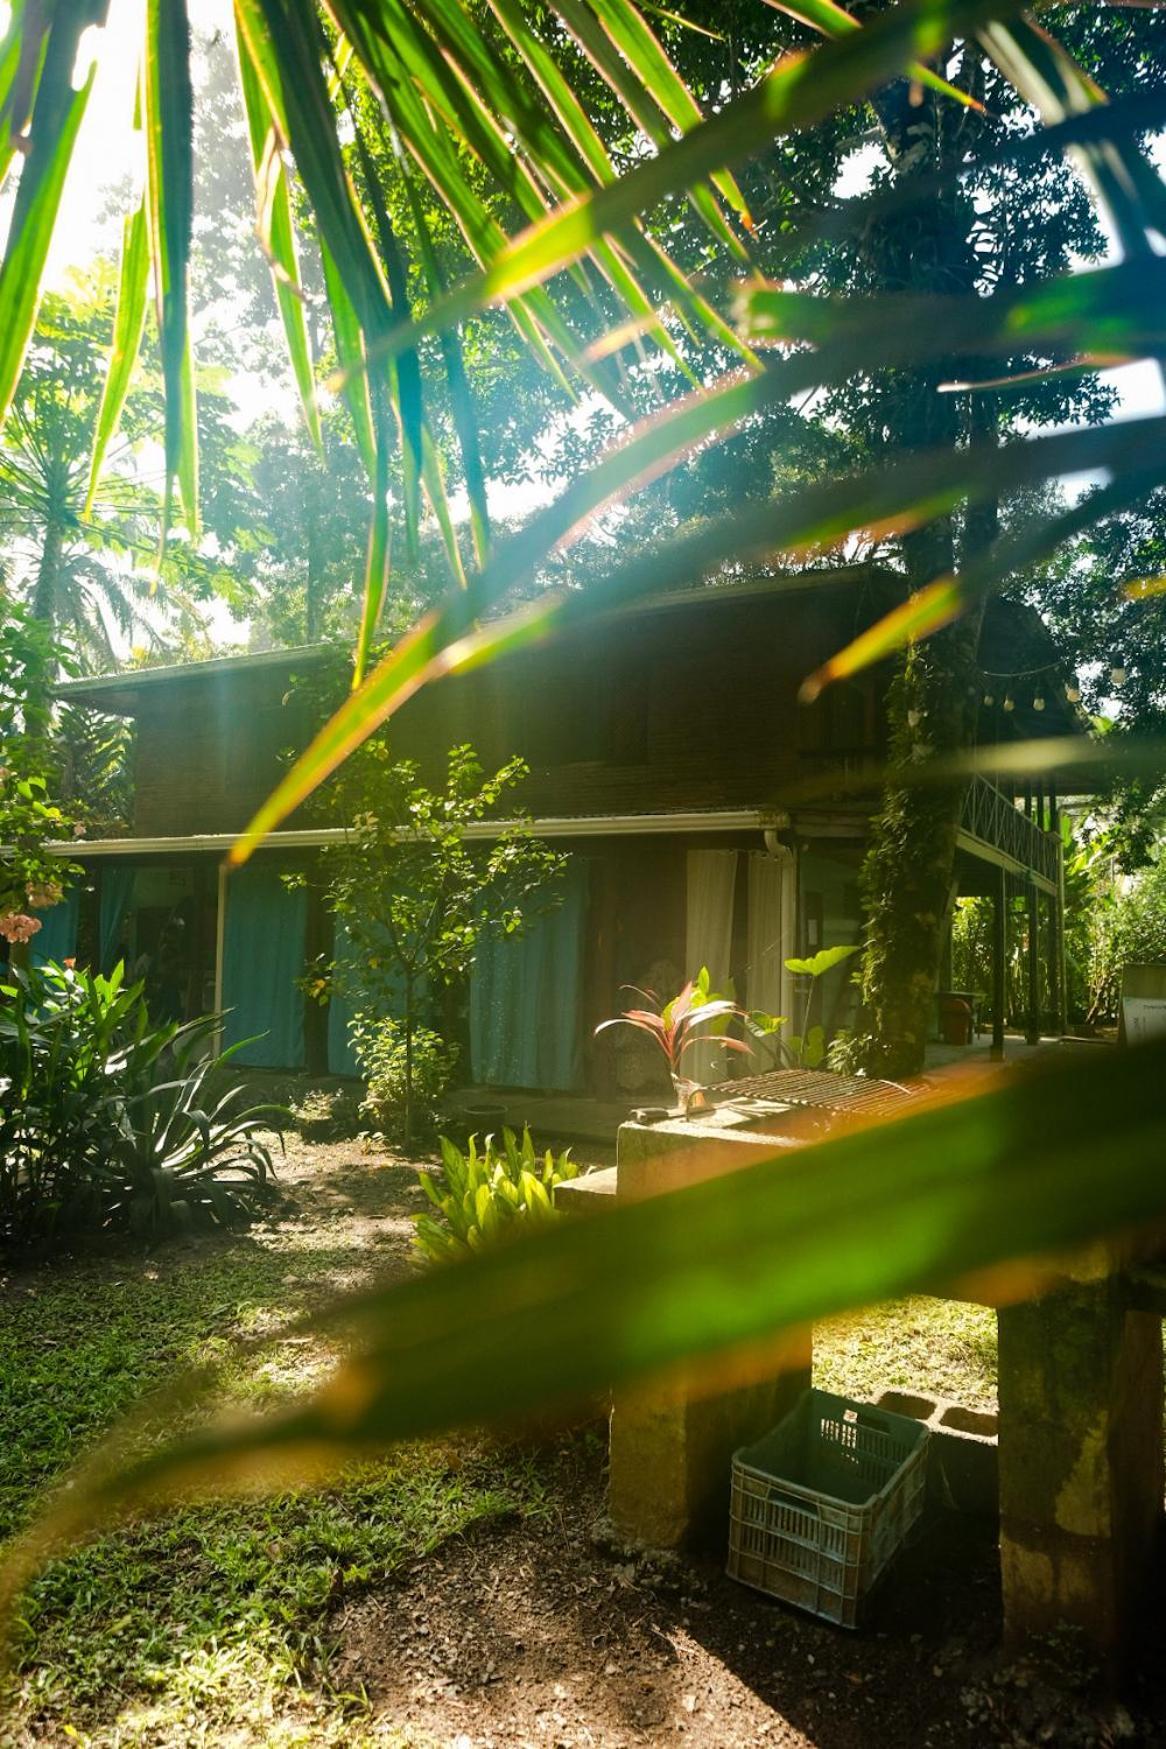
x=710 y=818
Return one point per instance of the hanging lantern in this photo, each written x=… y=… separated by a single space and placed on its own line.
x=1118 y=673
x=1009 y=702
x=1072 y=692
x=1038 y=703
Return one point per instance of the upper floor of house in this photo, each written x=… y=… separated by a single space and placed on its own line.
x=688 y=702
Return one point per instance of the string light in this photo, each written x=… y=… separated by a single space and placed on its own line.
x=989 y=698
x=1009 y=702
x=1038 y=703
x=1072 y=692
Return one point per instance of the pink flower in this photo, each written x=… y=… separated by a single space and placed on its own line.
x=40 y=898
x=16 y=926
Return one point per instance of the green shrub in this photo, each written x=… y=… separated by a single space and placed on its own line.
x=103 y=1116
x=1128 y=929
x=488 y=1196
x=327 y=1114
x=380 y=1046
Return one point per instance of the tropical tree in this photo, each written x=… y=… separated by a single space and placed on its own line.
x=413 y=897
x=83 y=550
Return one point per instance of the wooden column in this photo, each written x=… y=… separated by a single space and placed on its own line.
x=999 y=952
x=1060 y=981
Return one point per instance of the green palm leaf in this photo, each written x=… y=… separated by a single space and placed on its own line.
x=277 y=235
x=168 y=116
x=956 y=1186
x=44 y=66
x=128 y=324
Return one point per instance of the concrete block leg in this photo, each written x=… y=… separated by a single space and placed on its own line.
x=1080 y=1462
x=672 y=1445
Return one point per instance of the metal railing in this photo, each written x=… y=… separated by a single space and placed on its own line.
x=994 y=821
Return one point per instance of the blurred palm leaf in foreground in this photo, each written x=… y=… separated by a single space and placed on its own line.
x=1043 y=1163
x=971 y=1179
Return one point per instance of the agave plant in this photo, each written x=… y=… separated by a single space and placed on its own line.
x=105 y=1119
x=672 y=1026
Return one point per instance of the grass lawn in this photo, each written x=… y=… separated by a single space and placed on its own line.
x=213 y=1624
x=944 y=1348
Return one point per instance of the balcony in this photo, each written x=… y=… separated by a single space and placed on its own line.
x=993 y=828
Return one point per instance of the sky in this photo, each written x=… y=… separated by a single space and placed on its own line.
x=108 y=149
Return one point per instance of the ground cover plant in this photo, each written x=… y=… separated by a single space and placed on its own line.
x=486 y=1195
x=208 y=1622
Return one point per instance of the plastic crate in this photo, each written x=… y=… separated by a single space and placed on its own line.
x=820 y=1505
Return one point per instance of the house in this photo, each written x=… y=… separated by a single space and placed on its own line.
x=711 y=820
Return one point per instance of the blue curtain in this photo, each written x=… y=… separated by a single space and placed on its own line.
x=56 y=939
x=263 y=955
x=117 y=889
x=526 y=1020
x=341 y=1056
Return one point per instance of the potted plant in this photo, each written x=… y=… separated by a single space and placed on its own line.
x=672 y=1026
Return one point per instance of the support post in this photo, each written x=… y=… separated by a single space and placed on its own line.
x=1080 y=1461
x=220 y=951
x=1032 y=1028
x=1059 y=916
x=999 y=953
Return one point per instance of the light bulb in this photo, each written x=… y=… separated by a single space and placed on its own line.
x=1118 y=674
x=1009 y=703
x=1038 y=703
x=1072 y=692
x=989 y=698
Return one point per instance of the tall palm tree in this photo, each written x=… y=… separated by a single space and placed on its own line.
x=86 y=569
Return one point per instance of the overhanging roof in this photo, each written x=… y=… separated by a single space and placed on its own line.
x=688 y=823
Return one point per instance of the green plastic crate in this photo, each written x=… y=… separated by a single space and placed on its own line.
x=821 y=1504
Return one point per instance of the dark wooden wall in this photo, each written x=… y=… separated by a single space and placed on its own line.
x=690 y=707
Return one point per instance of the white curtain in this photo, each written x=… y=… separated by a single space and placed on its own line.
x=771 y=933
x=712 y=876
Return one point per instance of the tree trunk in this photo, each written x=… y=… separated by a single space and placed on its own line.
x=408 y=1059
x=313 y=586
x=46 y=588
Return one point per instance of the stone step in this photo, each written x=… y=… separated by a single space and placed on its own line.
x=588 y=1194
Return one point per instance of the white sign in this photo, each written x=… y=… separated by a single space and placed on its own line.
x=1145 y=1018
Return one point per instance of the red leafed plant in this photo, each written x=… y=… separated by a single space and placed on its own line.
x=672 y=1026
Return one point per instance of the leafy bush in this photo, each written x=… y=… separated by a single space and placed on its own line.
x=103 y=1116
x=398 y=1091
x=499 y=1193
x=1128 y=930
x=327 y=1114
